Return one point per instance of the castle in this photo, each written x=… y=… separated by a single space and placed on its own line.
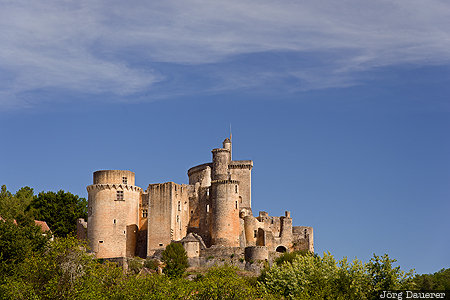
x=211 y=214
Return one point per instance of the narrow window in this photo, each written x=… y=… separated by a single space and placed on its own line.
x=207 y=207
x=114 y=221
x=255 y=233
x=178 y=219
x=179 y=205
x=235 y=188
x=236 y=205
x=305 y=232
x=144 y=213
x=207 y=192
x=120 y=195
x=124 y=180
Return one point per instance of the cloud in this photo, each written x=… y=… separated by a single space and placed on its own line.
x=126 y=48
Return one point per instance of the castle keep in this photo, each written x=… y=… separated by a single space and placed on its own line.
x=211 y=214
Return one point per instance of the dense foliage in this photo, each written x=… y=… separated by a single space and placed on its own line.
x=60 y=210
x=65 y=271
x=437 y=281
x=18 y=241
x=176 y=260
x=13 y=206
x=315 y=277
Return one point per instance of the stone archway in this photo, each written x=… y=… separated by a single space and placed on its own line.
x=281 y=249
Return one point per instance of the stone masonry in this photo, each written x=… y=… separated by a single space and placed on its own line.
x=210 y=215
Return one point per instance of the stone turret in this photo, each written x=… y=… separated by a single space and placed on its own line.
x=225 y=227
x=113 y=205
x=227 y=145
x=221 y=160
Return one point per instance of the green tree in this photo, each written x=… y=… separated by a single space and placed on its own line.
x=13 y=206
x=225 y=283
x=386 y=277
x=60 y=210
x=176 y=260
x=313 y=277
x=289 y=256
x=17 y=242
x=63 y=271
x=438 y=281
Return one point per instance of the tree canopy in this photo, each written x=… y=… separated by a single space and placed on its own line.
x=60 y=210
x=13 y=206
x=176 y=260
x=17 y=242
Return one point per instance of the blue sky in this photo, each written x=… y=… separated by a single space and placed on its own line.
x=343 y=107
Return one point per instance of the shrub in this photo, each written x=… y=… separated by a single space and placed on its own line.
x=224 y=283
x=135 y=265
x=176 y=260
x=289 y=256
x=151 y=264
x=313 y=277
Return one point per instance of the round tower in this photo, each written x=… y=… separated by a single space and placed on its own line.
x=225 y=227
x=113 y=206
x=220 y=161
x=227 y=145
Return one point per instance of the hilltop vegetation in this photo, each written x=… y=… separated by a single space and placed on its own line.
x=60 y=210
x=31 y=267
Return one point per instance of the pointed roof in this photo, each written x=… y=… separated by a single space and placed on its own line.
x=189 y=238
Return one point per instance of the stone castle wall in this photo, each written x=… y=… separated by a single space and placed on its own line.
x=241 y=171
x=168 y=214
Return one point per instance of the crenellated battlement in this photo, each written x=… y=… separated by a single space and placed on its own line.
x=225 y=181
x=219 y=150
x=240 y=166
x=113 y=186
x=241 y=163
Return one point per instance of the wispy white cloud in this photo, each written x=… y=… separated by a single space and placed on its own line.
x=117 y=47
